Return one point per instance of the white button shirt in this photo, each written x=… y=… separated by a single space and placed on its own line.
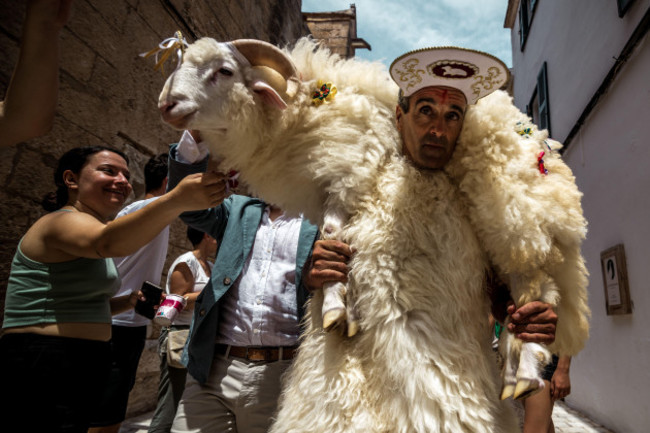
x=260 y=308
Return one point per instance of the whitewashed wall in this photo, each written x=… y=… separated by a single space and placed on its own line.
x=579 y=40
x=611 y=160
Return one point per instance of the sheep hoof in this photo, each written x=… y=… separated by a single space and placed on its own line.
x=333 y=318
x=353 y=328
x=507 y=391
x=527 y=387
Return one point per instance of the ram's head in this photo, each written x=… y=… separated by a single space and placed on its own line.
x=216 y=80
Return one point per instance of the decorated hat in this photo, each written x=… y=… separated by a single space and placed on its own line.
x=474 y=73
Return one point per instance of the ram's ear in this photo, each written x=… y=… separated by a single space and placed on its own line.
x=270 y=85
x=268 y=94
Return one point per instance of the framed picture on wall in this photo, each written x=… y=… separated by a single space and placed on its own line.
x=617 y=292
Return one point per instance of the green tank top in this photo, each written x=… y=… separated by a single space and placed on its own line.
x=75 y=291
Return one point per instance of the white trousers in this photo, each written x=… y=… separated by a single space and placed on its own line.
x=239 y=396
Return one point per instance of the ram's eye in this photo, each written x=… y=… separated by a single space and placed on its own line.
x=226 y=72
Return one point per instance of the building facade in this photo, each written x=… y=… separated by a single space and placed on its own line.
x=581 y=70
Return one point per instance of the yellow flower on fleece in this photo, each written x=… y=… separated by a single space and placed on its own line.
x=324 y=93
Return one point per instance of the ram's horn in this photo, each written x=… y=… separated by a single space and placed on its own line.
x=270 y=76
x=260 y=53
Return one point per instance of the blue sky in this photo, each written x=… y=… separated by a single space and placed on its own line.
x=393 y=27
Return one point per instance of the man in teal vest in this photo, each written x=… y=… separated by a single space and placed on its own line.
x=245 y=328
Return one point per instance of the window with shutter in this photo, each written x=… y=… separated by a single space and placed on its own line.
x=523 y=24
x=538 y=108
x=542 y=98
x=623 y=6
x=526 y=13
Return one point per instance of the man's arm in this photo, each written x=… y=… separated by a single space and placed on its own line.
x=533 y=322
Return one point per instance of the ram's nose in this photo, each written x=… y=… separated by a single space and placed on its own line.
x=176 y=113
x=166 y=106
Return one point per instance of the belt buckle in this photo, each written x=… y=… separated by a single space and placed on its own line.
x=256 y=354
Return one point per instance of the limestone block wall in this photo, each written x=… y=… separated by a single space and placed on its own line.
x=108 y=94
x=337 y=30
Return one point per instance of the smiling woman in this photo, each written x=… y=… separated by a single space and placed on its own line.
x=58 y=306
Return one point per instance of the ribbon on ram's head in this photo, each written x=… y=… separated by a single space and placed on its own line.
x=175 y=44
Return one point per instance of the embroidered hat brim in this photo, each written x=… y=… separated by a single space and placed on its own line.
x=474 y=73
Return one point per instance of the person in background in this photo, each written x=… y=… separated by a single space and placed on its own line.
x=187 y=277
x=538 y=408
x=534 y=412
x=251 y=308
x=55 y=350
x=129 y=329
x=30 y=101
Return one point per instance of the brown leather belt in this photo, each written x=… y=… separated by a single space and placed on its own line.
x=268 y=354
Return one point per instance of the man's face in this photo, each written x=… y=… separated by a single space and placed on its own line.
x=432 y=125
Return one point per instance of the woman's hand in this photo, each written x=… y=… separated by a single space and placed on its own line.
x=200 y=191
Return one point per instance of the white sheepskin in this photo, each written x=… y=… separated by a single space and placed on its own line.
x=423 y=361
x=530 y=224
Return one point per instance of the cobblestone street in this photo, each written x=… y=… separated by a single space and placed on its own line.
x=566 y=420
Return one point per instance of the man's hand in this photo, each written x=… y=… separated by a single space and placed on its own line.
x=329 y=263
x=533 y=322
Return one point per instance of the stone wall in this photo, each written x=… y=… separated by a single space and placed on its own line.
x=108 y=96
x=337 y=30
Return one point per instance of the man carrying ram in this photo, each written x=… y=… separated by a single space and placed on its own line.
x=421 y=361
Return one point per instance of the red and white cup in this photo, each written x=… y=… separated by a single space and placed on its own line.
x=169 y=309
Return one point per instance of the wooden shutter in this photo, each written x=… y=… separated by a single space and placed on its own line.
x=523 y=23
x=623 y=6
x=542 y=99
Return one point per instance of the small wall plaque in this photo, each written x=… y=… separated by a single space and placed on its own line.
x=617 y=292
